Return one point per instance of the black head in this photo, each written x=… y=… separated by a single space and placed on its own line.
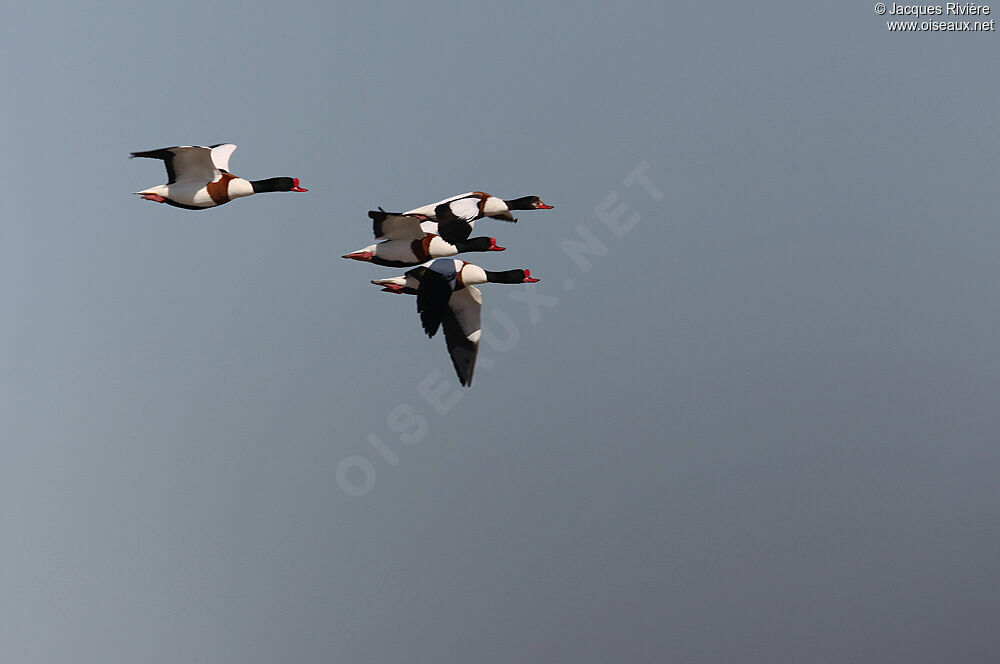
x=276 y=184
x=510 y=277
x=479 y=244
x=527 y=203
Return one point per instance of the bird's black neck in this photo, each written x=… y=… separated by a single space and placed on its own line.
x=523 y=203
x=474 y=244
x=272 y=184
x=505 y=277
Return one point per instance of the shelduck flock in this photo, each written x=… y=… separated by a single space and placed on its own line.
x=424 y=239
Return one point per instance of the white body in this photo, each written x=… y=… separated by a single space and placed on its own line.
x=402 y=250
x=470 y=275
x=467 y=209
x=196 y=193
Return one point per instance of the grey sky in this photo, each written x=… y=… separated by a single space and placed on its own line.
x=761 y=426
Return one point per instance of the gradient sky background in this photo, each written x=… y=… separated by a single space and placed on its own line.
x=762 y=427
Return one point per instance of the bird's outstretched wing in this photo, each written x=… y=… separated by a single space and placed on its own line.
x=221 y=152
x=188 y=163
x=462 y=329
x=432 y=298
x=455 y=218
x=392 y=226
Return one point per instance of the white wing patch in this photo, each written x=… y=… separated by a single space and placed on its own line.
x=466 y=209
x=462 y=331
x=221 y=155
x=467 y=305
x=194 y=164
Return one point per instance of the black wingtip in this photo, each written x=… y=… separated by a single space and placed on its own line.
x=430 y=325
x=162 y=153
x=378 y=218
x=464 y=361
x=453 y=233
x=432 y=298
